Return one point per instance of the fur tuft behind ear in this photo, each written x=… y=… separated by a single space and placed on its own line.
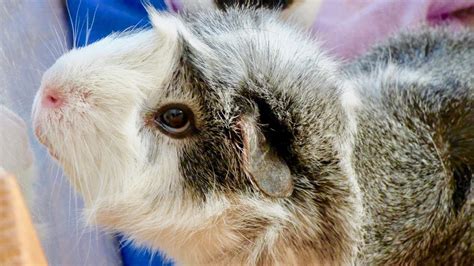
x=164 y=24
x=172 y=31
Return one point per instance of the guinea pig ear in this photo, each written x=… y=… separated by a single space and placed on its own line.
x=267 y=171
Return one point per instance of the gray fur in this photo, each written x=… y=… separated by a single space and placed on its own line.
x=414 y=147
x=414 y=151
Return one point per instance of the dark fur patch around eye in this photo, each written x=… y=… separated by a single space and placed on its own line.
x=209 y=161
x=271 y=4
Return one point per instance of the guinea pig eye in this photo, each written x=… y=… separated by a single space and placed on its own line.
x=175 y=120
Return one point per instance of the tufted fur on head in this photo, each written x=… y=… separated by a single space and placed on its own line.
x=302 y=12
x=262 y=180
x=290 y=161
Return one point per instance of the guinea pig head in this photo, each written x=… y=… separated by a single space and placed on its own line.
x=207 y=129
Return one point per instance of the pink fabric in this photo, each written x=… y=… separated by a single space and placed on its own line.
x=348 y=27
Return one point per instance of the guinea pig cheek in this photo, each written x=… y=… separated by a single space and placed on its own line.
x=153 y=187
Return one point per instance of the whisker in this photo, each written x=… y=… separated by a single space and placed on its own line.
x=77 y=21
x=89 y=30
x=54 y=54
x=59 y=23
x=73 y=25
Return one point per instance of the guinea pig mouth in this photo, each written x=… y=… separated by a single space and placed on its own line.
x=53 y=154
x=44 y=141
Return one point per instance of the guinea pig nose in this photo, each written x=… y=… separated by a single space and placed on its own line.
x=52 y=98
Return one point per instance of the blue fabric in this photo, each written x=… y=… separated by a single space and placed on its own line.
x=107 y=16
x=104 y=17
x=134 y=256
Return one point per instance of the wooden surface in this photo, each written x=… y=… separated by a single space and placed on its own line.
x=19 y=244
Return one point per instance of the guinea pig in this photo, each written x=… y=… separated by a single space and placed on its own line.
x=229 y=137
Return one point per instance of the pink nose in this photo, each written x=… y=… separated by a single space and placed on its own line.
x=52 y=99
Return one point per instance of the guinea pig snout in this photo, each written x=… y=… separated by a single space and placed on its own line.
x=52 y=98
x=48 y=114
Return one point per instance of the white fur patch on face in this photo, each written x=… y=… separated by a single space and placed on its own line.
x=160 y=175
x=95 y=134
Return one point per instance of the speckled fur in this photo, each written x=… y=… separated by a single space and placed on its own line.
x=414 y=151
x=246 y=71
